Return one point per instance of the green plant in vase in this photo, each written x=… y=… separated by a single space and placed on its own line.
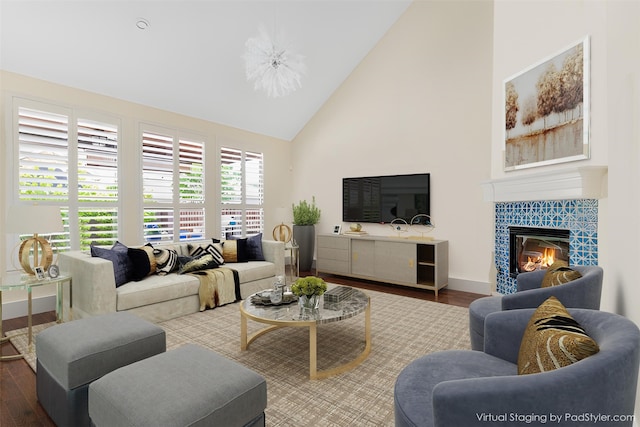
x=305 y=213
x=309 y=289
x=309 y=286
x=305 y=216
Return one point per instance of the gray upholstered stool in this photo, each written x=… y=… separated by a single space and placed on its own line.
x=188 y=386
x=72 y=355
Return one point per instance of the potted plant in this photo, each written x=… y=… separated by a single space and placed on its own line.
x=309 y=289
x=305 y=216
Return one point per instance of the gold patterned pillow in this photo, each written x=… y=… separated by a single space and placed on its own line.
x=558 y=274
x=553 y=339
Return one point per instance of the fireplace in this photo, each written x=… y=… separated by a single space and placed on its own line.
x=564 y=198
x=534 y=248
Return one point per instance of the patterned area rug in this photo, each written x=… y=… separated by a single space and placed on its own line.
x=403 y=329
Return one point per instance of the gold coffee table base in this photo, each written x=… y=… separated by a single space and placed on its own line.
x=314 y=374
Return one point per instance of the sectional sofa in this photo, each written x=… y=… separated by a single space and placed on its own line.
x=157 y=296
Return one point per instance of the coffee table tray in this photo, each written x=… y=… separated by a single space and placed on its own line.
x=257 y=299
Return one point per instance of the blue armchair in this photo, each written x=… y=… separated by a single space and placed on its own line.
x=583 y=292
x=482 y=388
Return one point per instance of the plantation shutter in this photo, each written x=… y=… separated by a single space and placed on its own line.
x=191 y=157
x=157 y=167
x=173 y=178
x=231 y=176
x=241 y=192
x=254 y=193
x=43 y=153
x=157 y=182
x=191 y=166
x=90 y=193
x=97 y=162
x=97 y=183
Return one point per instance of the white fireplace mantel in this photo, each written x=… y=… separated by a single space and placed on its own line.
x=587 y=182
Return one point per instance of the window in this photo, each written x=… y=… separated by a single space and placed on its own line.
x=173 y=187
x=241 y=192
x=71 y=163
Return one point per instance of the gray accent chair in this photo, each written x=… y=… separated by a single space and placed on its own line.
x=584 y=292
x=481 y=388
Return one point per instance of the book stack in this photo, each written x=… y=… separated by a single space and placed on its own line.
x=337 y=295
x=356 y=233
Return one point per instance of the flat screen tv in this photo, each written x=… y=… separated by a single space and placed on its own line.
x=382 y=199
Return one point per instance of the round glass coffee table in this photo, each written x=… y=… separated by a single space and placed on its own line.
x=290 y=315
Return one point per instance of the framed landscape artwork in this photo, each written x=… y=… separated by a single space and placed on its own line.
x=547 y=111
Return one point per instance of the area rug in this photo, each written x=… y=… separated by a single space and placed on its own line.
x=403 y=329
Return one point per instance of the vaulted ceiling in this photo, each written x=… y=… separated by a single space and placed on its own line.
x=189 y=59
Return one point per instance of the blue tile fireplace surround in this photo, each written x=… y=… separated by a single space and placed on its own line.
x=579 y=216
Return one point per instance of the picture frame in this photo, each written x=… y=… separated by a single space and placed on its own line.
x=53 y=271
x=39 y=273
x=547 y=110
x=337 y=229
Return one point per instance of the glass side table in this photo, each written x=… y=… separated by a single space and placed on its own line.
x=20 y=281
x=294 y=264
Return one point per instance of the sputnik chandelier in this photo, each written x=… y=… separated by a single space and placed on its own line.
x=272 y=66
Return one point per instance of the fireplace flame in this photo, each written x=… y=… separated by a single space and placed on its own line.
x=541 y=262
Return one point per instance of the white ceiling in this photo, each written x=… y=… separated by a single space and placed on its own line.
x=189 y=60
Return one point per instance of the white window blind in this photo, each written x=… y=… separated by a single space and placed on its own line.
x=87 y=194
x=98 y=227
x=255 y=178
x=157 y=167
x=231 y=176
x=172 y=210
x=241 y=192
x=44 y=155
x=97 y=162
x=191 y=155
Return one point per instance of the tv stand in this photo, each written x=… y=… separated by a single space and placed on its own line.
x=416 y=261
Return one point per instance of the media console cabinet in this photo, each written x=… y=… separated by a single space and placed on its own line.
x=415 y=262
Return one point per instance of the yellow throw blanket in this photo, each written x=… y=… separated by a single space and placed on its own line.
x=217 y=287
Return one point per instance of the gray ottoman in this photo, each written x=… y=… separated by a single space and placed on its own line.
x=72 y=355
x=188 y=386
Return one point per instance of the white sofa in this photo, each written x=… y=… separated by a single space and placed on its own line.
x=156 y=298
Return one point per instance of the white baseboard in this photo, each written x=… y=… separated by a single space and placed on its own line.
x=483 y=288
x=11 y=310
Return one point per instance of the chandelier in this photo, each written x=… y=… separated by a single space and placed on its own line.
x=272 y=66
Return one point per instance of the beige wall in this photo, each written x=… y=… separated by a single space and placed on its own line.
x=615 y=66
x=419 y=102
x=276 y=154
x=526 y=32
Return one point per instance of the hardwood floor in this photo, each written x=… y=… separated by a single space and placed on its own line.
x=18 y=402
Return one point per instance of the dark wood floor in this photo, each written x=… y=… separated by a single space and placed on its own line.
x=19 y=405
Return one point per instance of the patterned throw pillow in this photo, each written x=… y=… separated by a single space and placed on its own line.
x=204 y=261
x=211 y=248
x=166 y=260
x=558 y=274
x=553 y=339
